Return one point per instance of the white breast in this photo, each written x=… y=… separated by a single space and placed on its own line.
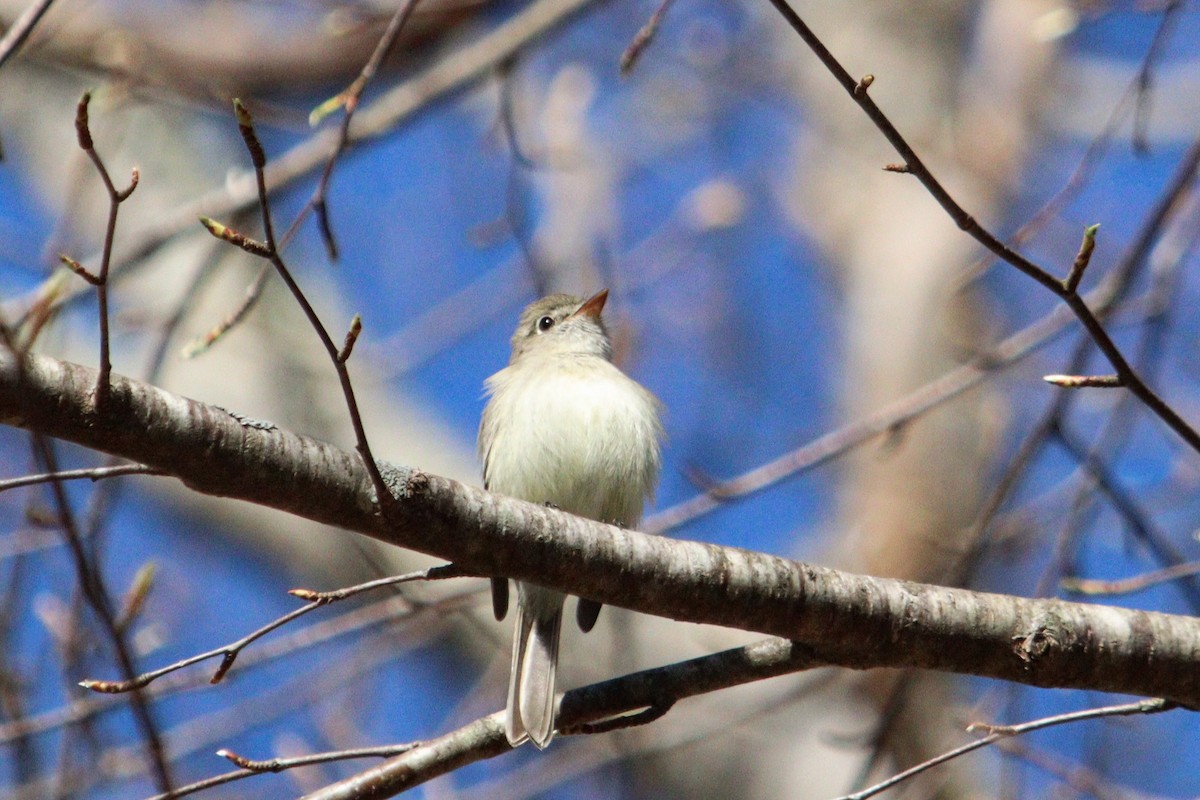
x=574 y=432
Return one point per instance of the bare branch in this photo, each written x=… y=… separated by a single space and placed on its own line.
x=348 y=99
x=259 y=159
x=845 y=619
x=647 y=691
x=100 y=278
x=394 y=612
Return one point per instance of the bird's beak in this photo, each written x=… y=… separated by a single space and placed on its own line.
x=593 y=305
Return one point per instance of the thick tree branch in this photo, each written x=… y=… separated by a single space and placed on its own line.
x=842 y=619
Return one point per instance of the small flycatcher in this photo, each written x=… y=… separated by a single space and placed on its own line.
x=566 y=428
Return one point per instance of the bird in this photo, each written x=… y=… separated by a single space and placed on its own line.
x=563 y=427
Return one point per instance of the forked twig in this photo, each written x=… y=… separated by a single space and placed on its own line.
x=99 y=279
x=269 y=250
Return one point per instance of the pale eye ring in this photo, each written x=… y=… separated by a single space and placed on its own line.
x=545 y=323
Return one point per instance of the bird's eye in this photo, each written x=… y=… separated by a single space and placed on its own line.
x=544 y=324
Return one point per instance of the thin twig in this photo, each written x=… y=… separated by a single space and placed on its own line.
x=1079 y=175
x=1083 y=780
x=91 y=473
x=249 y=768
x=1136 y=583
x=1145 y=76
x=837 y=442
x=270 y=251
x=207 y=732
x=1125 y=505
x=643 y=38
x=100 y=278
x=229 y=652
x=201 y=344
x=996 y=732
x=1170 y=225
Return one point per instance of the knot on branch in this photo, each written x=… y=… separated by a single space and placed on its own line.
x=402 y=482
x=1038 y=643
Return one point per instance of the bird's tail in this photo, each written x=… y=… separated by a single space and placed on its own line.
x=531 y=709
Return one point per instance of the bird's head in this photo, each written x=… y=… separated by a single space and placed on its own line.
x=563 y=324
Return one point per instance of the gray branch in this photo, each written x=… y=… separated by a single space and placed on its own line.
x=837 y=618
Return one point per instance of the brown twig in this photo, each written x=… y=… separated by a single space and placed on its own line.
x=833 y=444
x=1172 y=225
x=100 y=279
x=643 y=38
x=207 y=732
x=270 y=251
x=1169 y=216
